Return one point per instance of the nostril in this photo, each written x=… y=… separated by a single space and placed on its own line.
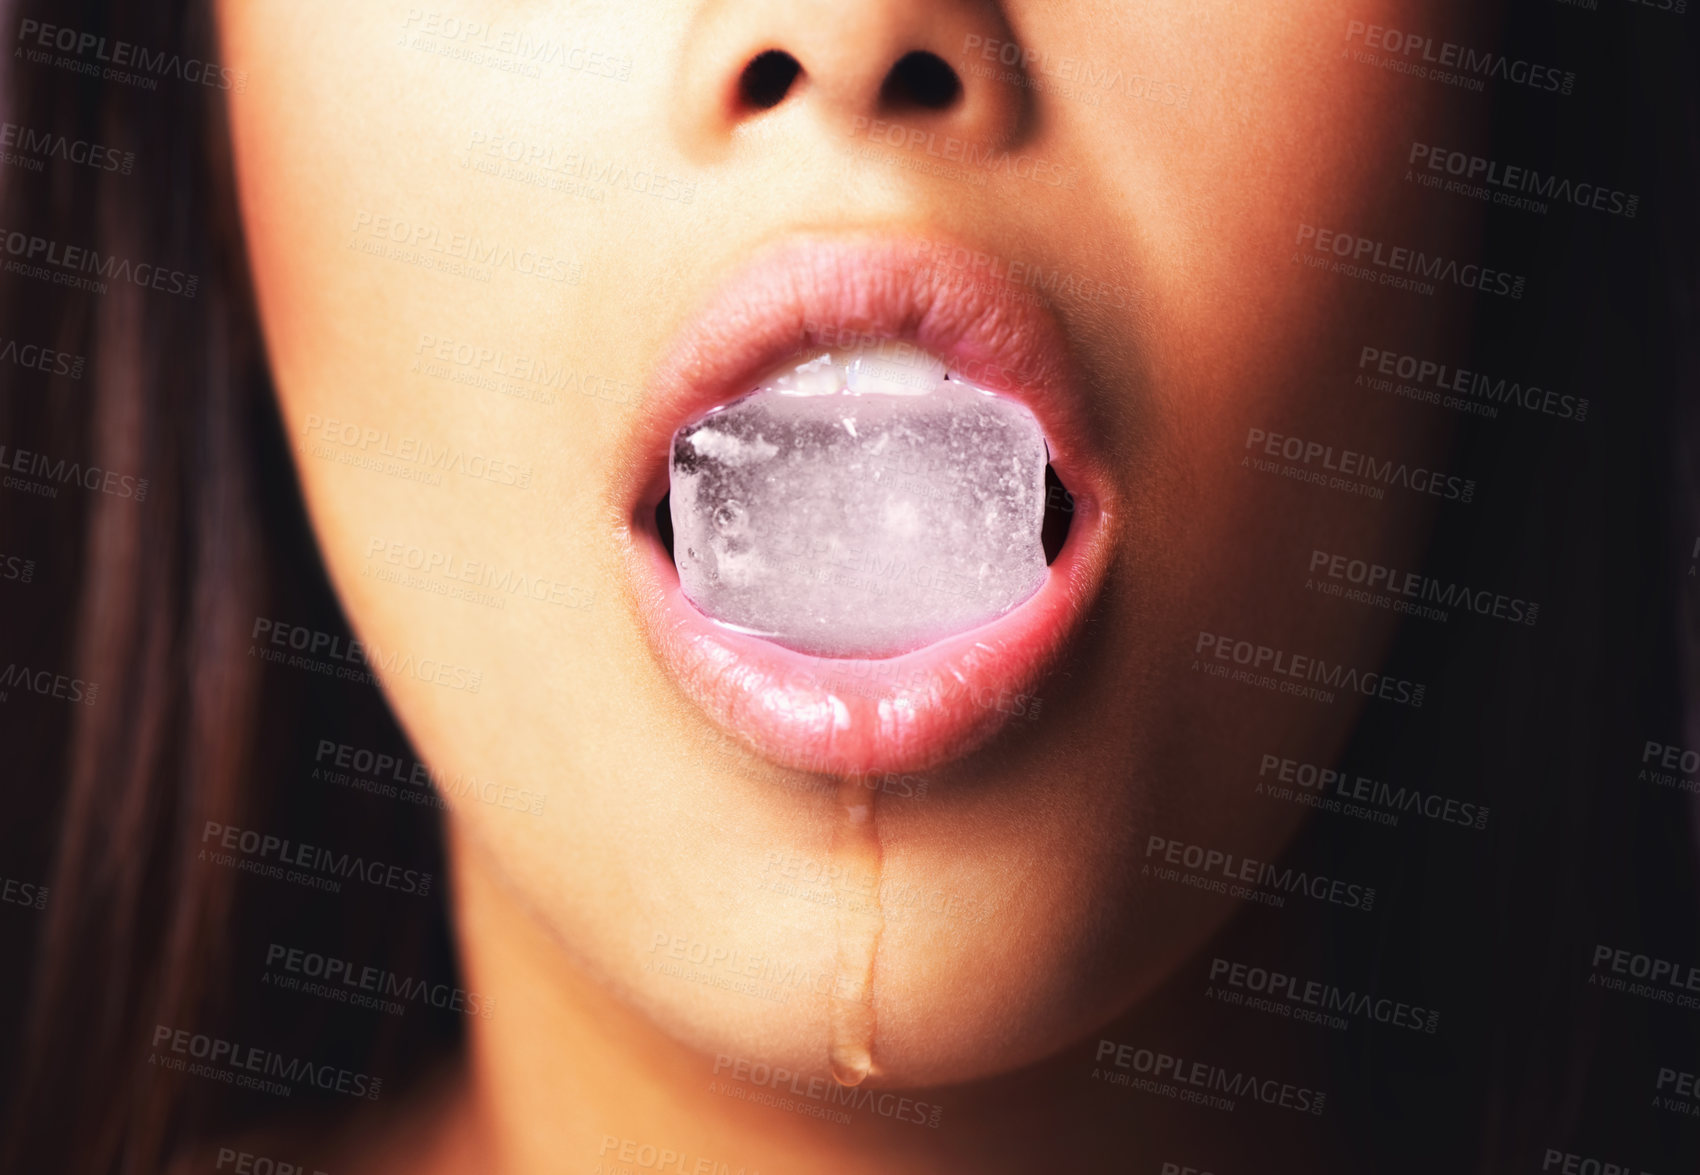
x=768 y=78
x=920 y=79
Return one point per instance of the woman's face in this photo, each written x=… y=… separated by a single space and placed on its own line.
x=503 y=249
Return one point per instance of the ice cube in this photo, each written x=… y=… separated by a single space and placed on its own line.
x=867 y=520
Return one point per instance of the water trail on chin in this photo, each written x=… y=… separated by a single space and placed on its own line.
x=856 y=855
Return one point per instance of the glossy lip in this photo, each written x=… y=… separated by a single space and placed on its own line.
x=842 y=716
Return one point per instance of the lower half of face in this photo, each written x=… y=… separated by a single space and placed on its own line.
x=850 y=520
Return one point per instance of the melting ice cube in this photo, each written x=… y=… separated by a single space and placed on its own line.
x=860 y=506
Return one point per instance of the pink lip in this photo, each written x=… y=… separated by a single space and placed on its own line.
x=847 y=716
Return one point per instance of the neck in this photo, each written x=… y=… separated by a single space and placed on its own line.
x=561 y=1075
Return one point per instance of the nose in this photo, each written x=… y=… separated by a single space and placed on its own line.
x=844 y=61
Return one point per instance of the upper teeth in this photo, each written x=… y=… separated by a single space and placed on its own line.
x=889 y=369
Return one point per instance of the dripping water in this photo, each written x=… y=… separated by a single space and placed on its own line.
x=856 y=853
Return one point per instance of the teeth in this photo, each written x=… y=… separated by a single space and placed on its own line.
x=862 y=504
x=871 y=374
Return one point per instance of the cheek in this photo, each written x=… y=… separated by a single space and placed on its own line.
x=402 y=203
x=1283 y=138
x=419 y=315
x=425 y=321
x=1234 y=332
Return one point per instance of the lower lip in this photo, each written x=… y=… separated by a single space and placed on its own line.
x=843 y=716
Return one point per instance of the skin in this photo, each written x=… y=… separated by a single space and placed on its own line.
x=1037 y=930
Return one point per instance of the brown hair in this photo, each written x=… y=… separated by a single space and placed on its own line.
x=151 y=599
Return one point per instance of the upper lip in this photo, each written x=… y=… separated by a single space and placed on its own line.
x=808 y=293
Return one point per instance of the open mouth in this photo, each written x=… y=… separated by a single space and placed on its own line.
x=858 y=505
x=864 y=518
